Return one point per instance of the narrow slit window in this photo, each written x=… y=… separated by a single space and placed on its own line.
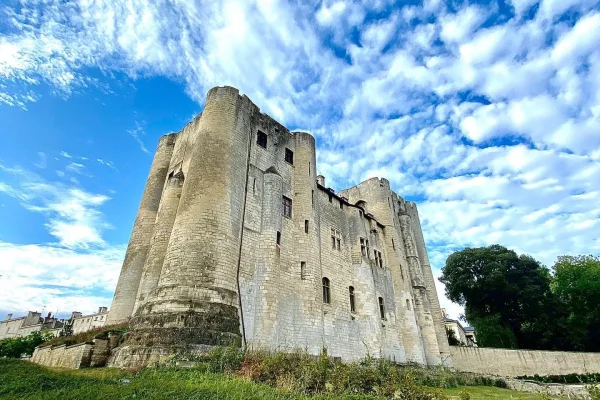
x=309 y=169
x=407 y=304
x=287 y=207
x=330 y=198
x=326 y=291
x=381 y=308
x=393 y=245
x=312 y=198
x=363 y=246
x=289 y=156
x=261 y=139
x=254 y=185
x=341 y=204
x=352 y=299
x=302 y=270
x=278 y=238
x=305 y=226
x=376 y=257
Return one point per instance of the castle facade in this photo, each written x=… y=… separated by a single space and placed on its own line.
x=238 y=241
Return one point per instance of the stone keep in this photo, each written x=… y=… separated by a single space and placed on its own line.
x=237 y=241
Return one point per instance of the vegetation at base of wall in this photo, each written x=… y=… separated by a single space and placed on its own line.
x=513 y=301
x=567 y=379
x=87 y=336
x=24 y=380
x=302 y=373
x=23 y=345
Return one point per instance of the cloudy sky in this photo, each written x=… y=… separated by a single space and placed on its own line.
x=485 y=113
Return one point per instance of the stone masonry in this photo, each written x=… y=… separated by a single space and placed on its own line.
x=238 y=242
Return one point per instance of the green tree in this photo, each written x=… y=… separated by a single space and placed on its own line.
x=576 y=285
x=506 y=296
x=22 y=345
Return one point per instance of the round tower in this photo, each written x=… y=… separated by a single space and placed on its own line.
x=137 y=250
x=160 y=238
x=195 y=303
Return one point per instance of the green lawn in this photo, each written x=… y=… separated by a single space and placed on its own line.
x=23 y=380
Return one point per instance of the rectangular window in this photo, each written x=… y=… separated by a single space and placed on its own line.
x=352 y=300
x=407 y=304
x=330 y=197
x=341 y=204
x=289 y=156
x=381 y=308
x=287 y=207
x=376 y=257
x=336 y=239
x=363 y=246
x=261 y=139
x=305 y=226
x=302 y=270
x=278 y=238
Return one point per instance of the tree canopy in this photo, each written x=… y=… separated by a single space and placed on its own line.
x=513 y=301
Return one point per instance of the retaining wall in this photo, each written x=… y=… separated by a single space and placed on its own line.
x=82 y=355
x=513 y=363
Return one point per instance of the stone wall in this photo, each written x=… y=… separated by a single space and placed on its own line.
x=515 y=363
x=74 y=357
x=81 y=355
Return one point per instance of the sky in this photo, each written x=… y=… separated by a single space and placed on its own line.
x=487 y=114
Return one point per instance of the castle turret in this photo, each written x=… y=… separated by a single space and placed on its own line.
x=160 y=238
x=196 y=301
x=139 y=243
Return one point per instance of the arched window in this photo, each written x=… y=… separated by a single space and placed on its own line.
x=381 y=308
x=352 y=301
x=326 y=291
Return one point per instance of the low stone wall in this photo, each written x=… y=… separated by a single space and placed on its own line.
x=82 y=355
x=513 y=363
x=74 y=357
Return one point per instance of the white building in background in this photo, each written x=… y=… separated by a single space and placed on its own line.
x=84 y=323
x=465 y=335
x=33 y=322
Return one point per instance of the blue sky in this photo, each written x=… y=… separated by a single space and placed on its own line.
x=485 y=113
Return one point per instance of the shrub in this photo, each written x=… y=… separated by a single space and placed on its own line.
x=24 y=345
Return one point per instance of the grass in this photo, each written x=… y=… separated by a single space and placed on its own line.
x=23 y=380
x=484 y=393
x=86 y=336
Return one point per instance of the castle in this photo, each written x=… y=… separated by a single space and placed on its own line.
x=237 y=241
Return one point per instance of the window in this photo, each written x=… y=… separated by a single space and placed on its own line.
x=336 y=239
x=287 y=207
x=302 y=270
x=330 y=197
x=312 y=198
x=393 y=245
x=261 y=139
x=352 y=301
x=278 y=238
x=407 y=304
x=305 y=226
x=326 y=292
x=341 y=204
x=363 y=246
x=289 y=156
x=378 y=258
x=381 y=308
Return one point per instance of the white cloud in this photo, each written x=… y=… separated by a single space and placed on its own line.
x=490 y=120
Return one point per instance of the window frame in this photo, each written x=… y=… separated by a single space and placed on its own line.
x=259 y=136
x=381 y=308
x=326 y=283
x=289 y=156
x=287 y=206
x=336 y=239
x=352 y=296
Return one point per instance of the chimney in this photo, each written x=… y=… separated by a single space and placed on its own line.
x=321 y=180
x=9 y=316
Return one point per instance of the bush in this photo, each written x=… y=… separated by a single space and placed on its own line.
x=24 y=345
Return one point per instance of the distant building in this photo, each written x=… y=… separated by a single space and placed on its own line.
x=84 y=323
x=33 y=322
x=465 y=335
